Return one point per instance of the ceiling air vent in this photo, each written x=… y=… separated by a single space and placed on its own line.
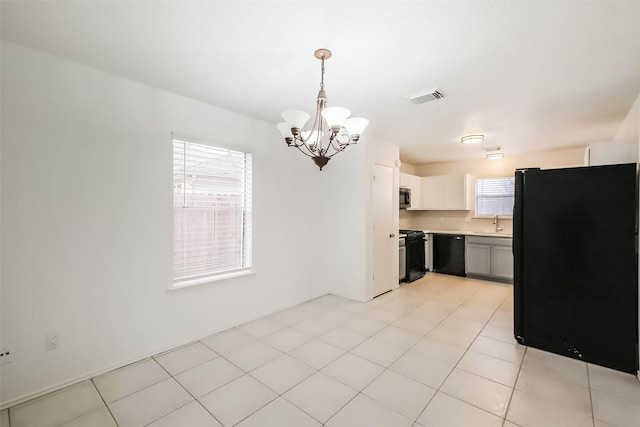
x=426 y=96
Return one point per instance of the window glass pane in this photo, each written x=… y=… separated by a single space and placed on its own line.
x=495 y=196
x=212 y=210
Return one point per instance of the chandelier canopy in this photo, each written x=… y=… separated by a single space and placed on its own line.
x=332 y=129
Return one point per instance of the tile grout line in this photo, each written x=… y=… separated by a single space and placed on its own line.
x=461 y=357
x=178 y=382
x=513 y=390
x=103 y=401
x=281 y=395
x=458 y=361
x=593 y=415
x=386 y=368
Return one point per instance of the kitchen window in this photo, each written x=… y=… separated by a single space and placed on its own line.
x=211 y=213
x=495 y=196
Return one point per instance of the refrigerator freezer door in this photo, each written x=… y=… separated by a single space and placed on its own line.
x=575 y=262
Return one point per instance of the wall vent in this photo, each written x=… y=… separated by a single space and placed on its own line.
x=426 y=96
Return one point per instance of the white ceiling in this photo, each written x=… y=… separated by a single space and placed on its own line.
x=529 y=75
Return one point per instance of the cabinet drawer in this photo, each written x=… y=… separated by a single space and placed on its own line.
x=494 y=241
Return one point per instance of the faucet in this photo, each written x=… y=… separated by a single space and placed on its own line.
x=496 y=221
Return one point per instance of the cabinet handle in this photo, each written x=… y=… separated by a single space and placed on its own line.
x=392 y=235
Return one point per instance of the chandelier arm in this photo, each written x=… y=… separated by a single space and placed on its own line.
x=302 y=151
x=340 y=146
x=337 y=147
x=336 y=152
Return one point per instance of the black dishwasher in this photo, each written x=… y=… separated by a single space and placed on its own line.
x=448 y=254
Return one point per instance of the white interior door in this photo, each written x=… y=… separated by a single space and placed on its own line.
x=385 y=236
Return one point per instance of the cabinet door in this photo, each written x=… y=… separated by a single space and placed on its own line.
x=433 y=192
x=404 y=180
x=415 y=183
x=455 y=197
x=478 y=259
x=502 y=262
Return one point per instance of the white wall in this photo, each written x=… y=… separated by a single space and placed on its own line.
x=630 y=128
x=348 y=219
x=87 y=222
x=341 y=218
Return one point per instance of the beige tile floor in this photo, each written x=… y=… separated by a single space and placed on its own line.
x=435 y=353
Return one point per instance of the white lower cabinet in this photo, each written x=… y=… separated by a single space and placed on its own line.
x=489 y=258
x=502 y=262
x=478 y=259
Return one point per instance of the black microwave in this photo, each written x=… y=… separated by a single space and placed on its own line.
x=405 y=198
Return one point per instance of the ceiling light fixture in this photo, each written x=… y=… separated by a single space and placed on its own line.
x=494 y=156
x=332 y=129
x=472 y=139
x=493 y=153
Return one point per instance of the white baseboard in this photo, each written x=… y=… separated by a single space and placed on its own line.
x=87 y=376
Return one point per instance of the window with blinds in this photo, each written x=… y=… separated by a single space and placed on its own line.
x=211 y=211
x=495 y=196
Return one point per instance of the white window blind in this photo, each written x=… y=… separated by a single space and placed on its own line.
x=495 y=196
x=211 y=210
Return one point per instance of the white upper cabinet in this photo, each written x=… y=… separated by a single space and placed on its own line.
x=404 y=180
x=446 y=192
x=413 y=183
x=611 y=153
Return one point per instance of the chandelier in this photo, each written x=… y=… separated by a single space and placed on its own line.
x=332 y=129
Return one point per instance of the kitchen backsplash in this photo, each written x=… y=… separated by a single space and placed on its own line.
x=451 y=220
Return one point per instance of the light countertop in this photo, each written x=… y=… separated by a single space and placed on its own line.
x=471 y=233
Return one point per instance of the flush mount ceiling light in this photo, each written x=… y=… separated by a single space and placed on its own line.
x=332 y=129
x=494 y=156
x=493 y=153
x=472 y=139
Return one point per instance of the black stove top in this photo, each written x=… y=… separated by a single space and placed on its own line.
x=413 y=233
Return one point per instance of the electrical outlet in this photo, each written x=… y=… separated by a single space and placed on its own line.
x=5 y=356
x=52 y=341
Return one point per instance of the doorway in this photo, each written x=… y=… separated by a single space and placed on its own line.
x=385 y=238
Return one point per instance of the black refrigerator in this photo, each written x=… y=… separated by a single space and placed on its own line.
x=576 y=263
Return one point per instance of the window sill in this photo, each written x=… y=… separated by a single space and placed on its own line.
x=181 y=284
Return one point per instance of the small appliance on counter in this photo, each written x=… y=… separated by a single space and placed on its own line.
x=414 y=246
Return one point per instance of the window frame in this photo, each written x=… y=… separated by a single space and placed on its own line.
x=247 y=240
x=475 y=198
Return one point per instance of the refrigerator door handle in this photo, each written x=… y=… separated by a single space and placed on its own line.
x=518 y=211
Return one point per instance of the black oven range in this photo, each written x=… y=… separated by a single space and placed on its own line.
x=414 y=243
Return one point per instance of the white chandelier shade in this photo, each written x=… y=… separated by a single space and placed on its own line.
x=332 y=130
